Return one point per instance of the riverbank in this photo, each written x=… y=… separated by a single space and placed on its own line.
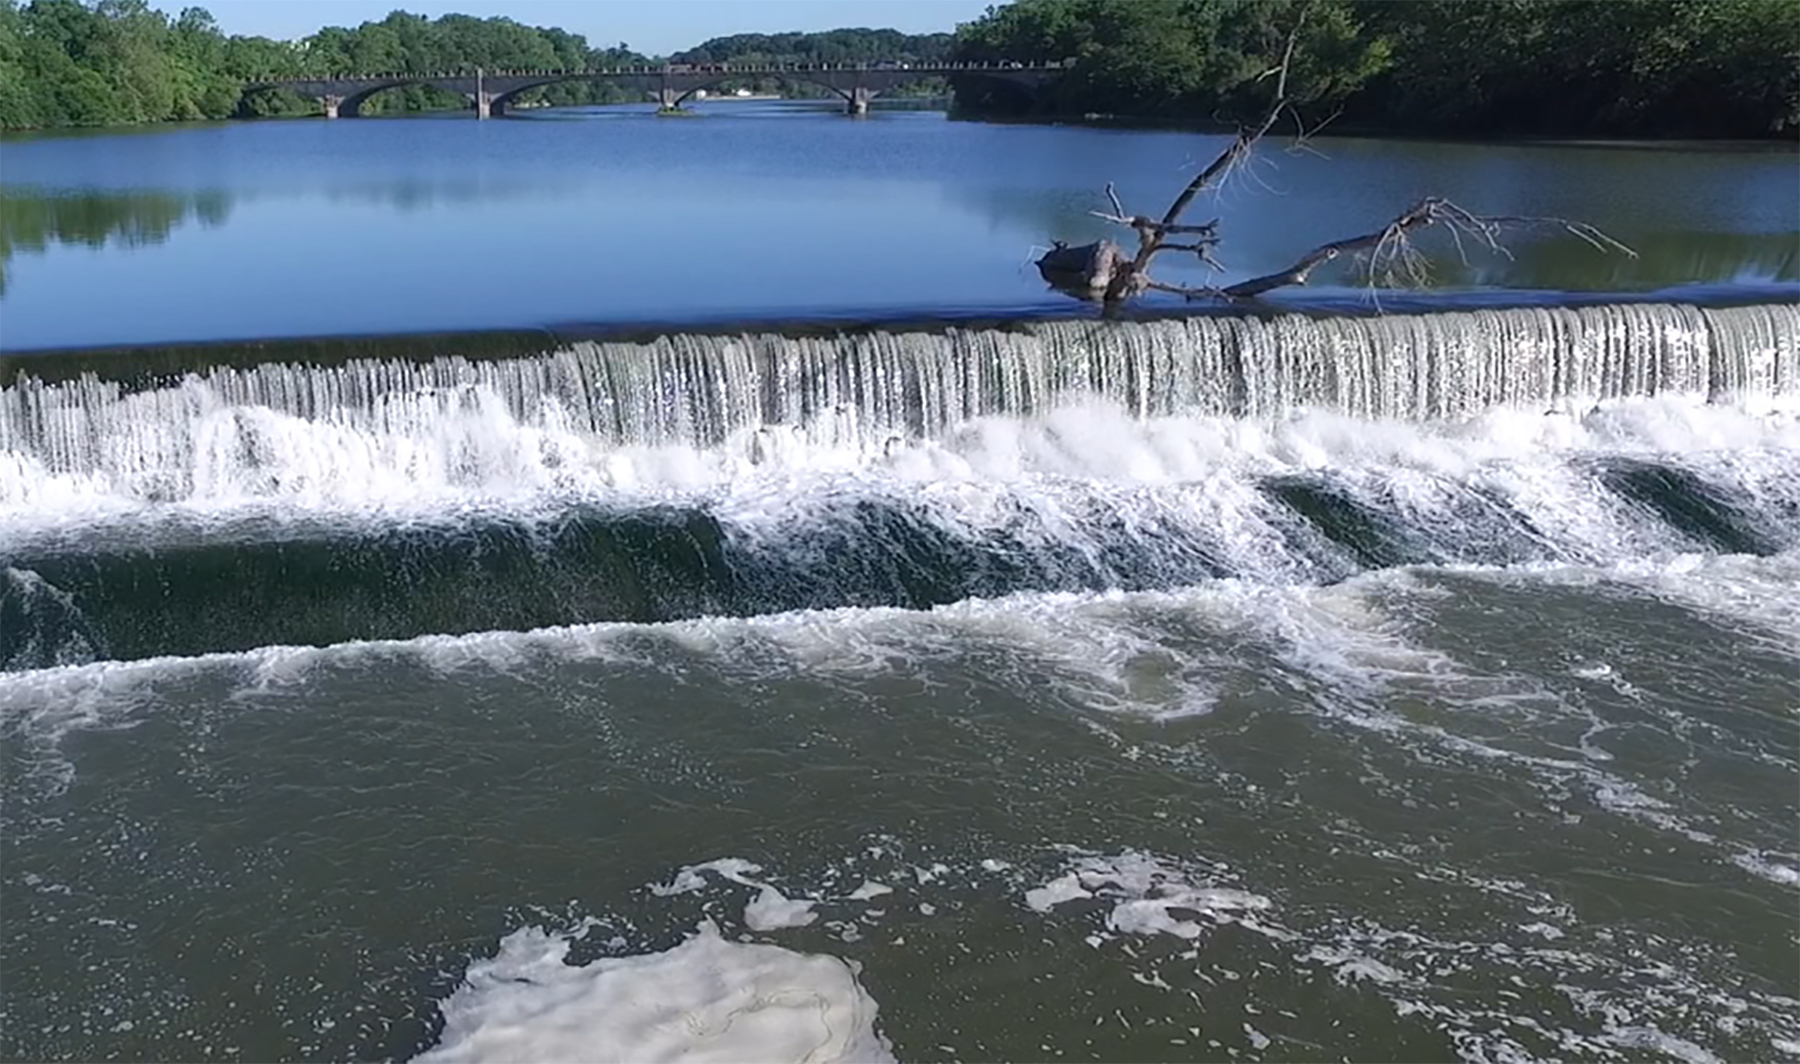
x=1788 y=140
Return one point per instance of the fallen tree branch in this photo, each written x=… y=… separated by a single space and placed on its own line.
x=1421 y=215
x=1113 y=279
x=1392 y=242
x=1103 y=271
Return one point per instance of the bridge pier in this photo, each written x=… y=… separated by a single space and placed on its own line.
x=486 y=107
x=331 y=105
x=668 y=99
x=858 y=106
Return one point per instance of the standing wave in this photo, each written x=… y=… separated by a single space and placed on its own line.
x=1008 y=506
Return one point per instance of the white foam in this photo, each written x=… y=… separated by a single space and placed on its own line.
x=1065 y=888
x=688 y=879
x=1108 y=657
x=772 y=910
x=1759 y=864
x=468 y=449
x=769 y=910
x=1144 y=894
x=1350 y=967
x=705 y=1000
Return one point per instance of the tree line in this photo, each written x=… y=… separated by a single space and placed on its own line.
x=1652 y=68
x=829 y=46
x=119 y=62
x=1620 y=68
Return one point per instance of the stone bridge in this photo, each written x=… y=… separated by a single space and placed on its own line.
x=490 y=91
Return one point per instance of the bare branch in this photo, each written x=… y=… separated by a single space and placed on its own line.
x=1391 y=248
x=1150 y=242
x=1303 y=136
x=1203 y=292
x=1102 y=271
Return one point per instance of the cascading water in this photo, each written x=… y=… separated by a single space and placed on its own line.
x=740 y=475
x=282 y=429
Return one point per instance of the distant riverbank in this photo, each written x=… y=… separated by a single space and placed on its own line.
x=1786 y=141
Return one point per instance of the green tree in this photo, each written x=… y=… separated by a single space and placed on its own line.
x=1709 y=68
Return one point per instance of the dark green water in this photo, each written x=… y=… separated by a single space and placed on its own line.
x=1480 y=814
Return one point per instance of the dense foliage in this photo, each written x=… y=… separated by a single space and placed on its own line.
x=115 y=62
x=1727 y=68
x=849 y=46
x=1719 y=68
x=831 y=46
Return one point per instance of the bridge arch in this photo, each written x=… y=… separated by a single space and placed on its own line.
x=995 y=81
x=250 y=94
x=856 y=86
x=499 y=103
x=351 y=105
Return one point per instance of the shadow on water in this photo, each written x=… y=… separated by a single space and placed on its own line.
x=1711 y=514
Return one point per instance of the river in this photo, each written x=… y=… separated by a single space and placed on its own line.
x=766 y=210
x=906 y=664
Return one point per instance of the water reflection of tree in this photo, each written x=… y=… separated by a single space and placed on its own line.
x=416 y=194
x=1664 y=260
x=31 y=222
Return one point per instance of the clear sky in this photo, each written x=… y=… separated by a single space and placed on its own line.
x=654 y=27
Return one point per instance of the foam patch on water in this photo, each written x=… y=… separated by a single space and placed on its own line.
x=707 y=999
x=1143 y=894
x=769 y=910
x=1615 y=1002
x=1616 y=994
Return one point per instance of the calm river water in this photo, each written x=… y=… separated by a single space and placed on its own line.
x=761 y=210
x=1282 y=687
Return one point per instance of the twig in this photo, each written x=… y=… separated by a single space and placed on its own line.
x=1202 y=292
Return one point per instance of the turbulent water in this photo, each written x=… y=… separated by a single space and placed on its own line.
x=1406 y=687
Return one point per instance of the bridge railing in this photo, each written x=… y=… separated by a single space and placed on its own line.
x=664 y=69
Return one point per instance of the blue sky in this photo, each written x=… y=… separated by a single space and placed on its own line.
x=650 y=26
